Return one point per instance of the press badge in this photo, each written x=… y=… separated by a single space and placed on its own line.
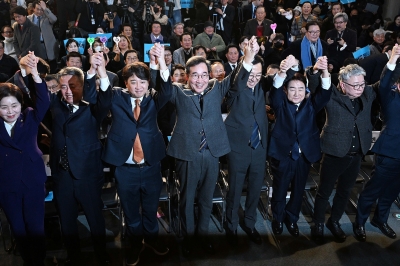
x=93 y=21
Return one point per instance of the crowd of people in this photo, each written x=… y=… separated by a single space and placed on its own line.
x=283 y=73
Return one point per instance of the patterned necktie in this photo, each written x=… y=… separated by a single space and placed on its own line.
x=203 y=141
x=138 y=155
x=255 y=135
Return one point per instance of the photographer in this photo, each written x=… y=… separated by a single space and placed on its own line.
x=175 y=15
x=131 y=12
x=92 y=12
x=155 y=11
x=223 y=16
x=111 y=21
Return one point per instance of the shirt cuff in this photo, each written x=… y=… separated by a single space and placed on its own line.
x=278 y=81
x=223 y=15
x=89 y=76
x=104 y=83
x=295 y=68
x=326 y=82
x=248 y=67
x=343 y=47
x=154 y=67
x=23 y=72
x=391 y=67
x=164 y=74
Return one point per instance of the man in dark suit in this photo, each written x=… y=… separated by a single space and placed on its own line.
x=136 y=146
x=232 y=55
x=349 y=110
x=155 y=34
x=308 y=49
x=294 y=143
x=342 y=40
x=198 y=140
x=26 y=34
x=258 y=26
x=224 y=20
x=75 y=155
x=384 y=184
x=247 y=128
x=249 y=10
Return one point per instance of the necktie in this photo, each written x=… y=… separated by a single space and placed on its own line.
x=254 y=12
x=138 y=155
x=21 y=27
x=71 y=108
x=255 y=135
x=295 y=150
x=233 y=67
x=203 y=141
x=314 y=49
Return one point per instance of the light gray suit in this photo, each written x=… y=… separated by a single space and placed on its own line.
x=46 y=28
x=179 y=56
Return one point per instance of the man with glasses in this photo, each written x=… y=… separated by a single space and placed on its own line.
x=308 y=49
x=342 y=40
x=345 y=138
x=168 y=58
x=131 y=56
x=198 y=140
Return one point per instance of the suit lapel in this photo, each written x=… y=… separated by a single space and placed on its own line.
x=194 y=98
x=128 y=106
x=6 y=137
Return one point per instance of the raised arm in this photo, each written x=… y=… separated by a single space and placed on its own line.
x=42 y=100
x=323 y=90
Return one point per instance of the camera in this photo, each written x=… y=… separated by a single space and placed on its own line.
x=125 y=4
x=110 y=15
x=216 y=4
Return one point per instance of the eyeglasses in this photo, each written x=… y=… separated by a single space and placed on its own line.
x=52 y=87
x=196 y=76
x=338 y=22
x=356 y=86
x=7 y=32
x=252 y=76
x=131 y=58
x=167 y=55
x=314 y=32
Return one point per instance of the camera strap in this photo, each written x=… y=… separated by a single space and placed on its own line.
x=91 y=10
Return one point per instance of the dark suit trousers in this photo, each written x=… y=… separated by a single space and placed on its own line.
x=25 y=213
x=225 y=36
x=384 y=186
x=197 y=178
x=249 y=163
x=285 y=172
x=344 y=170
x=69 y=193
x=65 y=13
x=139 y=188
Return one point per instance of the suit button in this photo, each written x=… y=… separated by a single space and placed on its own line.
x=20 y=152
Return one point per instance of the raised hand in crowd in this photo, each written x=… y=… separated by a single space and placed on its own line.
x=286 y=64
x=251 y=49
x=395 y=54
x=156 y=54
x=29 y=64
x=321 y=65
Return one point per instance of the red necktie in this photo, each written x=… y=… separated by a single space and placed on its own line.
x=138 y=155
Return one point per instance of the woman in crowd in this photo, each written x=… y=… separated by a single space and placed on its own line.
x=22 y=172
x=126 y=29
x=73 y=46
x=117 y=56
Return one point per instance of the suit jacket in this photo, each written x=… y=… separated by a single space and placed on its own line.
x=191 y=120
x=301 y=127
x=337 y=133
x=216 y=41
x=350 y=37
x=78 y=131
x=228 y=19
x=245 y=108
x=147 y=39
x=388 y=143
x=247 y=12
x=46 y=28
x=295 y=50
x=28 y=40
x=251 y=27
x=228 y=68
x=179 y=56
x=20 y=158
x=124 y=127
x=373 y=66
x=114 y=79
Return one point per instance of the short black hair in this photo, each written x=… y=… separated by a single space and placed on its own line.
x=258 y=59
x=70 y=40
x=198 y=47
x=43 y=67
x=51 y=77
x=19 y=10
x=6 y=26
x=183 y=34
x=9 y=89
x=73 y=54
x=168 y=48
x=274 y=66
x=231 y=46
x=156 y=22
x=177 y=66
x=312 y=23
x=139 y=69
x=297 y=76
x=244 y=38
x=196 y=60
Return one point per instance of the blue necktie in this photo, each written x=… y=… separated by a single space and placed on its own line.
x=255 y=138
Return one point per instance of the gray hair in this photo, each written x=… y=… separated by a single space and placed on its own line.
x=194 y=61
x=348 y=71
x=341 y=15
x=379 y=32
x=73 y=71
x=179 y=24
